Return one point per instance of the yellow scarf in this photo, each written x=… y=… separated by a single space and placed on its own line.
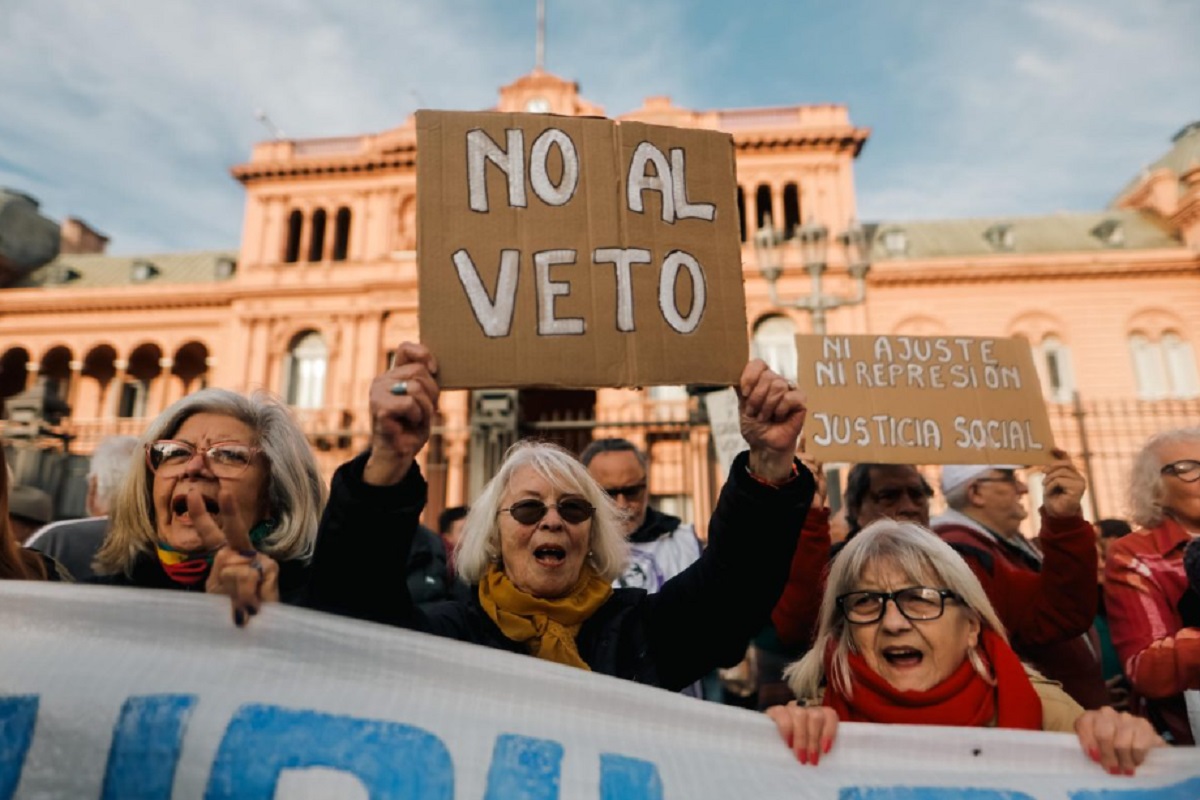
x=548 y=627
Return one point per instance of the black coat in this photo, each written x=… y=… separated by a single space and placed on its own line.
x=701 y=619
x=148 y=573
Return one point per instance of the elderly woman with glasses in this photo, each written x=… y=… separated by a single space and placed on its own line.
x=1153 y=617
x=543 y=543
x=907 y=635
x=226 y=497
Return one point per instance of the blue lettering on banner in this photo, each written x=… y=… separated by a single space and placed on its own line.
x=624 y=778
x=393 y=761
x=929 y=793
x=1187 y=790
x=17 y=717
x=145 y=747
x=524 y=768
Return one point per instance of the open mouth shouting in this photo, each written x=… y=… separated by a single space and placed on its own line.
x=179 y=505
x=549 y=555
x=903 y=657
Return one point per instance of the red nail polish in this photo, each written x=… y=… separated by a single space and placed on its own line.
x=816 y=758
x=828 y=746
x=803 y=756
x=1093 y=754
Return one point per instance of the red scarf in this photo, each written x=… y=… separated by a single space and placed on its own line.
x=963 y=699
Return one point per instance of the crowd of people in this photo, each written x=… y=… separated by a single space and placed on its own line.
x=957 y=619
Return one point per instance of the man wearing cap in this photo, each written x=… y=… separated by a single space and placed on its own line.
x=29 y=508
x=1047 y=600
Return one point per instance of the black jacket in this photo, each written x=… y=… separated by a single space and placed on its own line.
x=701 y=619
x=148 y=573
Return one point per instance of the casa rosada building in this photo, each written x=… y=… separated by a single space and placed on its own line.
x=324 y=286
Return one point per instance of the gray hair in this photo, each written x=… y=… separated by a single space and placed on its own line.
x=295 y=489
x=111 y=459
x=1146 y=479
x=912 y=550
x=614 y=445
x=480 y=543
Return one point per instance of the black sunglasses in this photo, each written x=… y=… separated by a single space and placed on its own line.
x=628 y=492
x=573 y=510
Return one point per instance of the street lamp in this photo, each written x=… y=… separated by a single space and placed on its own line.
x=812 y=238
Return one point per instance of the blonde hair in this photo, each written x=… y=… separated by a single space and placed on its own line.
x=915 y=552
x=295 y=489
x=479 y=546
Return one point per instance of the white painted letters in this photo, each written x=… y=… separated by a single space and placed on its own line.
x=666 y=291
x=493 y=315
x=480 y=150
x=621 y=259
x=548 y=290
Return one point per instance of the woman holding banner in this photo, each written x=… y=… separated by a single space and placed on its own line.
x=543 y=543
x=908 y=635
x=227 y=500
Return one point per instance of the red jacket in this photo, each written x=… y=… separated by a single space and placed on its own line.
x=1144 y=586
x=795 y=615
x=1048 y=608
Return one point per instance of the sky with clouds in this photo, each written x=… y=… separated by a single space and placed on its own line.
x=129 y=114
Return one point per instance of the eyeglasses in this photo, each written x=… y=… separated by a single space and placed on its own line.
x=1187 y=470
x=572 y=510
x=168 y=457
x=1006 y=476
x=628 y=492
x=916 y=603
x=891 y=496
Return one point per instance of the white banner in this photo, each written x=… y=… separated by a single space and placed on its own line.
x=120 y=693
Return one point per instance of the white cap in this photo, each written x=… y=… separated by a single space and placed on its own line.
x=955 y=476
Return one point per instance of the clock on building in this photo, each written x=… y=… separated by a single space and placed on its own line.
x=537 y=105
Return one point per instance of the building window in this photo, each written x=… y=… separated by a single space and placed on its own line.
x=306 y=364
x=791 y=209
x=134 y=394
x=895 y=242
x=1164 y=369
x=341 y=234
x=741 y=204
x=316 y=245
x=775 y=343
x=291 y=252
x=762 y=198
x=1059 y=378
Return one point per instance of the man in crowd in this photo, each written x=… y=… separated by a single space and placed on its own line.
x=661 y=546
x=1047 y=600
x=73 y=543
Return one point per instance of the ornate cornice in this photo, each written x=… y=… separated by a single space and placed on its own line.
x=1034 y=268
x=397 y=159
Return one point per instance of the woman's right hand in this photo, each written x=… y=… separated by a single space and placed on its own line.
x=808 y=730
x=401 y=423
x=1117 y=740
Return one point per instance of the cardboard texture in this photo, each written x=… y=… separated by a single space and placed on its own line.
x=923 y=400
x=519 y=280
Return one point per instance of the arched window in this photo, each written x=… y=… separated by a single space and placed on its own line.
x=1166 y=368
x=316 y=245
x=341 y=234
x=762 y=199
x=1058 y=376
x=306 y=364
x=1180 y=362
x=775 y=343
x=291 y=252
x=791 y=209
x=741 y=203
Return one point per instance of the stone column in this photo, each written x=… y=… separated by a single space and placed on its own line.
x=164 y=376
x=116 y=386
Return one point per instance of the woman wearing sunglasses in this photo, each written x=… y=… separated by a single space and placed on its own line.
x=908 y=635
x=543 y=543
x=225 y=497
x=1153 y=617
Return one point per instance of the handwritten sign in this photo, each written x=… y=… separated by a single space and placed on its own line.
x=575 y=252
x=923 y=400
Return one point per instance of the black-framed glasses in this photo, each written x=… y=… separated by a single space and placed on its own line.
x=573 y=510
x=916 y=603
x=632 y=493
x=892 y=495
x=169 y=457
x=1187 y=470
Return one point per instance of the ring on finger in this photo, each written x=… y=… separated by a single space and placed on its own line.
x=399 y=388
x=257 y=565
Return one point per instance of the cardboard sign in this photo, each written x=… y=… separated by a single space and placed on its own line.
x=137 y=693
x=923 y=400
x=573 y=252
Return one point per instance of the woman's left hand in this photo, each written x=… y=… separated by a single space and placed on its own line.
x=772 y=417
x=1117 y=740
x=247 y=576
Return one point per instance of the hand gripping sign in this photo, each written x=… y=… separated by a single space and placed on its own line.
x=576 y=252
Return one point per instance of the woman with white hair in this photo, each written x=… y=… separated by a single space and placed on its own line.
x=544 y=542
x=227 y=499
x=1153 y=617
x=908 y=635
